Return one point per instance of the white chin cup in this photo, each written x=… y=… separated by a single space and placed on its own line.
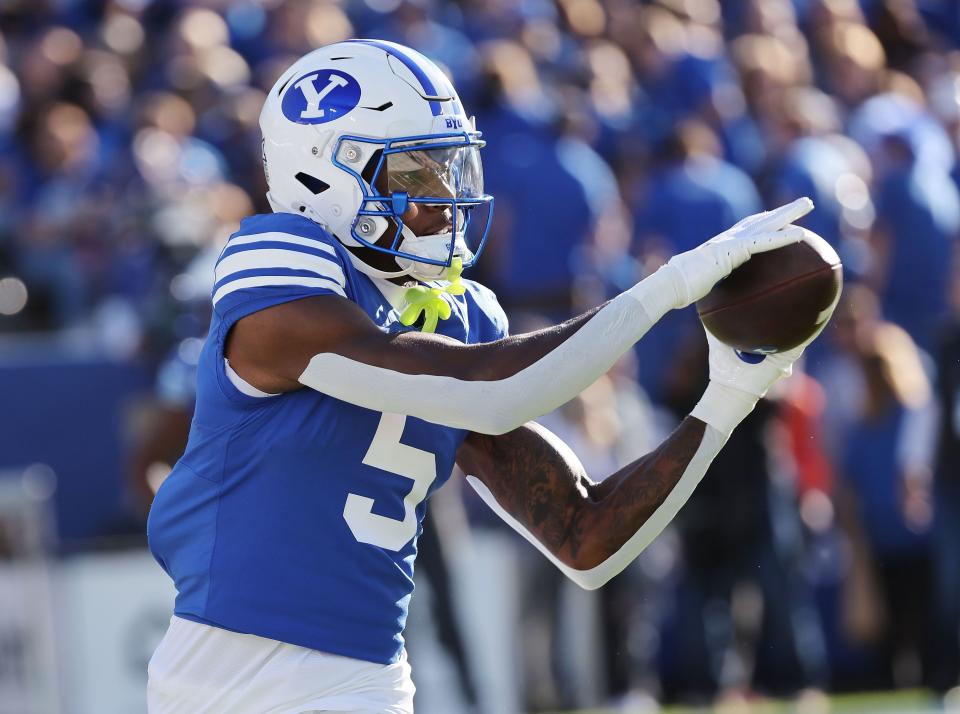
x=434 y=247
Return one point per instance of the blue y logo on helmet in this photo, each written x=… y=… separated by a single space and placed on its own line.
x=319 y=97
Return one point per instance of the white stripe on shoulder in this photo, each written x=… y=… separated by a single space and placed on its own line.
x=278 y=258
x=277 y=237
x=267 y=280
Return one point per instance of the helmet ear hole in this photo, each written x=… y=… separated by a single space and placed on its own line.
x=312 y=183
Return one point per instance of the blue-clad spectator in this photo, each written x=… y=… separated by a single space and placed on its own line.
x=808 y=163
x=943 y=15
x=768 y=67
x=543 y=212
x=946 y=497
x=886 y=461
x=896 y=114
x=692 y=195
x=917 y=225
x=681 y=64
x=812 y=159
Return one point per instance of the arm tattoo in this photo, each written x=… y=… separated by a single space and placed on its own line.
x=632 y=495
x=543 y=486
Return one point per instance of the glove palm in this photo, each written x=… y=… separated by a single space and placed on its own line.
x=754 y=373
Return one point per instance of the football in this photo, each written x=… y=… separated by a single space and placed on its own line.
x=777 y=299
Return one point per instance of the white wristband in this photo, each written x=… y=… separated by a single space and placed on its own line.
x=724 y=407
x=660 y=292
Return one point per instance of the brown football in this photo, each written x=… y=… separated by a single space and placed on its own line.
x=777 y=299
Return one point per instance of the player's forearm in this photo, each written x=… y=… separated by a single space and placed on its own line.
x=535 y=377
x=625 y=502
x=590 y=531
x=590 y=542
x=638 y=502
x=419 y=353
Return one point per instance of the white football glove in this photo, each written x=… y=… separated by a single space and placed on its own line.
x=754 y=373
x=704 y=266
x=738 y=380
x=747 y=372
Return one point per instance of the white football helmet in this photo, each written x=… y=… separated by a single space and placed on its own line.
x=355 y=131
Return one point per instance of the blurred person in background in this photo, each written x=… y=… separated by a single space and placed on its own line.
x=653 y=39
x=851 y=60
x=766 y=66
x=946 y=500
x=902 y=31
x=679 y=60
x=63 y=158
x=918 y=206
x=688 y=190
x=914 y=238
x=741 y=531
x=884 y=469
x=540 y=193
x=804 y=158
x=809 y=155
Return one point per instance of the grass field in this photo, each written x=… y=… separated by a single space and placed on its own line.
x=905 y=702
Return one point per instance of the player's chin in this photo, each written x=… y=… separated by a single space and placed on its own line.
x=425 y=228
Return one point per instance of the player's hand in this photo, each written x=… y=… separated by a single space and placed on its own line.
x=704 y=266
x=755 y=373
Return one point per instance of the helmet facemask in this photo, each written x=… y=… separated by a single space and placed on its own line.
x=426 y=171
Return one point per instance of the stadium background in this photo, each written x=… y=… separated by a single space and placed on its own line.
x=821 y=553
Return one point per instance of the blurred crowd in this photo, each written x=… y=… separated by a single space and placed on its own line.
x=822 y=550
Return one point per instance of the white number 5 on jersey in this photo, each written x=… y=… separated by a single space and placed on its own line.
x=387 y=453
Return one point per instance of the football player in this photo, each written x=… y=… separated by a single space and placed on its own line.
x=347 y=368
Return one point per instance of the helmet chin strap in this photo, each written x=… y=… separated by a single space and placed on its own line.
x=368 y=269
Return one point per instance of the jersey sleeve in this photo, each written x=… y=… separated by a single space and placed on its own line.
x=258 y=270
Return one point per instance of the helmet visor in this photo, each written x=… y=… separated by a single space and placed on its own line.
x=443 y=172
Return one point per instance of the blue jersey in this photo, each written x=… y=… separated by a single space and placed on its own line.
x=295 y=517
